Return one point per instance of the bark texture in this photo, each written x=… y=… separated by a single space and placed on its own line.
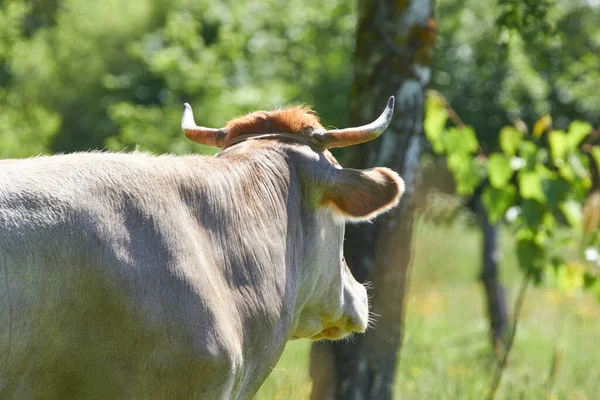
x=494 y=291
x=393 y=50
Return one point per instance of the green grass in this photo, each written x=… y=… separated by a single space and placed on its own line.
x=446 y=352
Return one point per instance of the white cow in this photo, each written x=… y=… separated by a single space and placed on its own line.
x=133 y=276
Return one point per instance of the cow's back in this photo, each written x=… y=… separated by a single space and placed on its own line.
x=88 y=307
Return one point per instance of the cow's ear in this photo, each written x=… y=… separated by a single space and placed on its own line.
x=360 y=195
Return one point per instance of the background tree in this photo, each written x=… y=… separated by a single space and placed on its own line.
x=393 y=50
x=514 y=61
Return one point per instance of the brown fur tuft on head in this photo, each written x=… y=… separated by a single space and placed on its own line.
x=294 y=119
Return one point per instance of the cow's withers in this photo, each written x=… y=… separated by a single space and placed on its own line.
x=137 y=276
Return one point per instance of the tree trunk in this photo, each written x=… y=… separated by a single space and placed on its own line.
x=494 y=291
x=393 y=49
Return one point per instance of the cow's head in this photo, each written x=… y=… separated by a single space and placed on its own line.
x=330 y=302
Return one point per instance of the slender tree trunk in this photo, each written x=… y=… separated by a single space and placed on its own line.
x=393 y=49
x=494 y=291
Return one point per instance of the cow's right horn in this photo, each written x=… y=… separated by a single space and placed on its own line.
x=200 y=134
x=360 y=134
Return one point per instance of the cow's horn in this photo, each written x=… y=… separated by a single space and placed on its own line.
x=349 y=136
x=200 y=134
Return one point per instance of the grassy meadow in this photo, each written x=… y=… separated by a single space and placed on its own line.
x=446 y=352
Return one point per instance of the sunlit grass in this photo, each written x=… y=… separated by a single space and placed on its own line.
x=289 y=379
x=446 y=352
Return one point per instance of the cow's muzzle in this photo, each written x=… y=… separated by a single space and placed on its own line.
x=344 y=327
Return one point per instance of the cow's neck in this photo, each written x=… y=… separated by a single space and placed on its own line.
x=255 y=235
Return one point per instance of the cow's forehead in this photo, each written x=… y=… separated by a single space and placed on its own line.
x=295 y=119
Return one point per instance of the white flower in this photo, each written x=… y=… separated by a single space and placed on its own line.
x=591 y=254
x=512 y=213
x=516 y=163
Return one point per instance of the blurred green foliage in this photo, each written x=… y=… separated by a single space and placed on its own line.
x=76 y=75
x=541 y=181
x=516 y=60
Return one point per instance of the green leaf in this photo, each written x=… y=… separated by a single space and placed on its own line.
x=578 y=131
x=589 y=280
x=544 y=172
x=556 y=190
x=572 y=212
x=596 y=154
x=577 y=164
x=527 y=149
x=540 y=157
x=460 y=140
x=557 y=276
x=559 y=146
x=567 y=172
x=467 y=172
x=435 y=121
x=530 y=254
x=510 y=137
x=499 y=170
x=556 y=262
x=530 y=186
x=562 y=143
x=532 y=213
x=497 y=200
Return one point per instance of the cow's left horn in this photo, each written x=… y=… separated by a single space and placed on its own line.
x=350 y=136
x=200 y=134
